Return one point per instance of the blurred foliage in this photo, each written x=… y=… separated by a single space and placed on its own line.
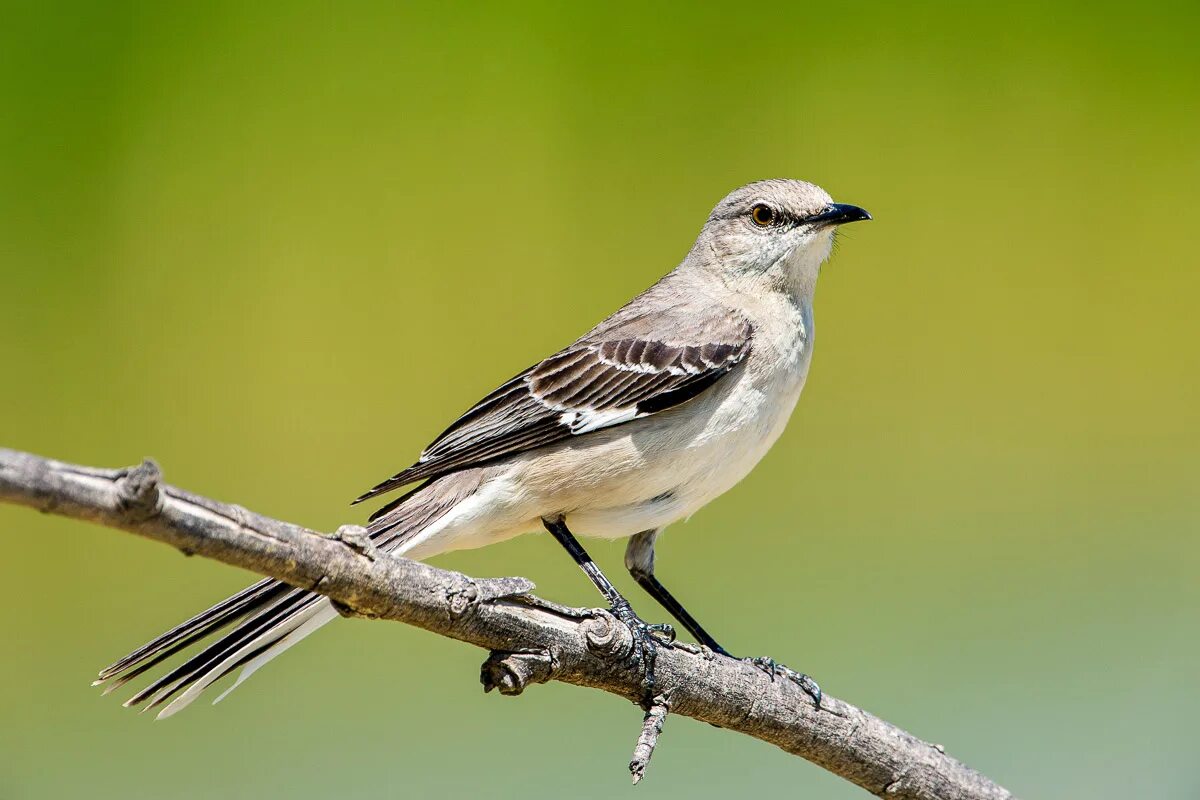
x=232 y=234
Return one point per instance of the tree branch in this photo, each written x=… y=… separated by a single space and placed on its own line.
x=531 y=640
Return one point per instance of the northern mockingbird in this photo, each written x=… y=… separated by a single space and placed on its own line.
x=639 y=423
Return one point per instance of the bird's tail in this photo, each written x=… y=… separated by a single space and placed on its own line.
x=271 y=615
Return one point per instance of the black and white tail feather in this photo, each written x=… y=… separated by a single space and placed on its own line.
x=271 y=616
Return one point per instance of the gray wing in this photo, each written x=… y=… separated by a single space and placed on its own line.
x=618 y=373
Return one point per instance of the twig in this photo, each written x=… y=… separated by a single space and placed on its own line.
x=652 y=727
x=532 y=641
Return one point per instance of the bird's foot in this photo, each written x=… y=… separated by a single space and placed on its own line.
x=772 y=668
x=646 y=639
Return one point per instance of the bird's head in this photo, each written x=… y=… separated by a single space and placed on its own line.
x=781 y=230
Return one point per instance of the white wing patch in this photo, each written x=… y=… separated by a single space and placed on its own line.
x=586 y=420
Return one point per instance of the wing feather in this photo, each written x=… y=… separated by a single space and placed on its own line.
x=622 y=371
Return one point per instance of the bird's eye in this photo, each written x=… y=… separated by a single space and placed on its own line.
x=762 y=215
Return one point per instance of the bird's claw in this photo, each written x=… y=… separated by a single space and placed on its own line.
x=662 y=632
x=646 y=639
x=773 y=668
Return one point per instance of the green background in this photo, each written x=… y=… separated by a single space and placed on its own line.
x=263 y=244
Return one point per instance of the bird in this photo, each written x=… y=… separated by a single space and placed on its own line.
x=637 y=424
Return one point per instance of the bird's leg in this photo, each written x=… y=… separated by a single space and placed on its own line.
x=646 y=637
x=639 y=560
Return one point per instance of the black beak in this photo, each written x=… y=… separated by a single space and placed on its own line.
x=839 y=214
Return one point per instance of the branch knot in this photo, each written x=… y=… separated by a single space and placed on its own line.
x=511 y=671
x=357 y=539
x=138 y=497
x=465 y=592
x=608 y=636
x=461 y=596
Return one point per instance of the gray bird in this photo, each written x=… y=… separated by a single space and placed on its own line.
x=639 y=423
